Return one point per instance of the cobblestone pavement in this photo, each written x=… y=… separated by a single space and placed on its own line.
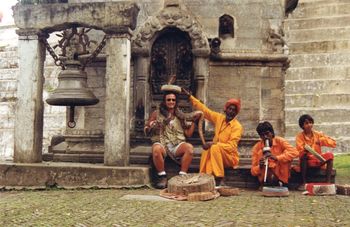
x=110 y=208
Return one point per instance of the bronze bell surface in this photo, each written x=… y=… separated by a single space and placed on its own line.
x=72 y=90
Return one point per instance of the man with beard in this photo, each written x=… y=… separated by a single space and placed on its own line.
x=222 y=151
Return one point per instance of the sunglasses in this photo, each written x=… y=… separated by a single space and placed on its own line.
x=168 y=100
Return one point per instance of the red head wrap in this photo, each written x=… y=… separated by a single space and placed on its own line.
x=236 y=102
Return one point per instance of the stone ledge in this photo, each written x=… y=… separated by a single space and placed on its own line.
x=71 y=175
x=55 y=17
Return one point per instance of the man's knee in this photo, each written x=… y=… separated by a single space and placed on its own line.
x=157 y=150
x=188 y=148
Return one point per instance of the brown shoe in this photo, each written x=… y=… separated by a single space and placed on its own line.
x=162 y=182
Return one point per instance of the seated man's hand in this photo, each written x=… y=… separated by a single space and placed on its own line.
x=262 y=162
x=273 y=157
x=207 y=145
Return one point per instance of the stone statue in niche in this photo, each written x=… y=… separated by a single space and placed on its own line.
x=226 y=26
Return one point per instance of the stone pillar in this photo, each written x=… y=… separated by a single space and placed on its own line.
x=28 y=133
x=117 y=116
x=142 y=86
x=201 y=73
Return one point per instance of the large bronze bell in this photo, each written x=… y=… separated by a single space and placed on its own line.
x=72 y=90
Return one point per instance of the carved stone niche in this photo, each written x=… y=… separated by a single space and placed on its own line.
x=170 y=43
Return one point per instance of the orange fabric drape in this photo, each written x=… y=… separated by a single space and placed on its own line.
x=284 y=152
x=316 y=142
x=223 y=153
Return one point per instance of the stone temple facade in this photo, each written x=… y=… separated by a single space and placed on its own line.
x=280 y=61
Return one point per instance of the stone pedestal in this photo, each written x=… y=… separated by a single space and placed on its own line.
x=29 y=108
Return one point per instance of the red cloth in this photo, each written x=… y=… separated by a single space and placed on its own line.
x=313 y=189
x=236 y=102
x=314 y=162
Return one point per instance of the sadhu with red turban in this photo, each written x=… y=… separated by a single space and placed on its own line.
x=222 y=152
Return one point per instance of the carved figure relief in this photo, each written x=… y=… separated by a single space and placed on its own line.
x=277 y=41
x=171 y=17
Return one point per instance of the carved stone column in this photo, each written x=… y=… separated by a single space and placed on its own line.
x=201 y=72
x=29 y=109
x=117 y=120
x=142 y=85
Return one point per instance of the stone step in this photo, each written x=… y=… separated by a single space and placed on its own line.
x=326 y=46
x=321 y=8
x=8 y=85
x=9 y=74
x=317 y=86
x=320 y=59
x=318 y=34
x=330 y=100
x=10 y=62
x=317 y=22
x=335 y=130
x=324 y=115
x=340 y=72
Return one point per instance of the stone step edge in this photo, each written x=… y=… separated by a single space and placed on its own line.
x=323 y=94
x=315 y=108
x=288 y=20
x=316 y=80
x=317 y=29
x=309 y=42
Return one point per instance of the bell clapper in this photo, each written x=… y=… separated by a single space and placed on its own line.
x=71 y=123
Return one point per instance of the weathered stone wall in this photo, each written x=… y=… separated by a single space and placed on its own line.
x=259 y=88
x=54 y=117
x=317 y=83
x=8 y=85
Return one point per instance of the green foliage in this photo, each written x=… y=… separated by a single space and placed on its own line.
x=342 y=161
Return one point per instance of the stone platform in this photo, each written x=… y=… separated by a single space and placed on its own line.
x=239 y=177
x=71 y=175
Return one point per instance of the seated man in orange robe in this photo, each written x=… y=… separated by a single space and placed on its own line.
x=315 y=140
x=280 y=154
x=222 y=151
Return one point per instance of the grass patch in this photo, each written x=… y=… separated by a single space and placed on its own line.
x=342 y=161
x=342 y=165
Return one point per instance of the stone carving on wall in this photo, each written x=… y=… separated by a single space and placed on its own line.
x=277 y=41
x=171 y=17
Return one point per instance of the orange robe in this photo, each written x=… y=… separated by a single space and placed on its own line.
x=316 y=142
x=223 y=153
x=282 y=150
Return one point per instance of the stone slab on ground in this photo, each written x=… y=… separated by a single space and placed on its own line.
x=146 y=198
x=71 y=175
